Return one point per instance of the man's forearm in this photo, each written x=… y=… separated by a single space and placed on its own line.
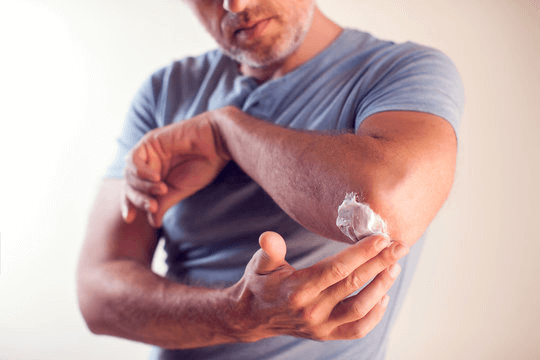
x=308 y=174
x=126 y=299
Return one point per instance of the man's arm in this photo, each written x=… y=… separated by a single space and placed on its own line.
x=400 y=163
x=119 y=294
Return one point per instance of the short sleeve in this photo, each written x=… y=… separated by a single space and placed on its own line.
x=140 y=119
x=415 y=78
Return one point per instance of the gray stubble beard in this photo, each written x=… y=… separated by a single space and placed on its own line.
x=273 y=56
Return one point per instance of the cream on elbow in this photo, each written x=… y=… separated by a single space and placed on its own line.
x=357 y=220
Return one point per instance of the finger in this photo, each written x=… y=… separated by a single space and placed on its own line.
x=336 y=268
x=141 y=201
x=152 y=220
x=144 y=186
x=163 y=204
x=128 y=210
x=360 y=328
x=173 y=196
x=155 y=219
x=143 y=163
x=272 y=253
x=359 y=305
x=364 y=273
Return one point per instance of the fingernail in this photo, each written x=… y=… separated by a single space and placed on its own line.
x=400 y=250
x=394 y=270
x=385 y=300
x=124 y=211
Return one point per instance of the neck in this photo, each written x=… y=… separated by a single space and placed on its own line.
x=321 y=34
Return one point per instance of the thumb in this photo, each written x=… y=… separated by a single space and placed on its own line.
x=272 y=253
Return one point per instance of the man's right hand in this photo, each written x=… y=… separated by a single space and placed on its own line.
x=273 y=298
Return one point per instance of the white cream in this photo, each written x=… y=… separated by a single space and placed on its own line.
x=357 y=220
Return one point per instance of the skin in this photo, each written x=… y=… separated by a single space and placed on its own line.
x=407 y=163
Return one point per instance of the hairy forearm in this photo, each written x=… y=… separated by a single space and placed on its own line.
x=309 y=173
x=126 y=299
x=306 y=173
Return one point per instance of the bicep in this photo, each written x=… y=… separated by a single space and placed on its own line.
x=416 y=155
x=109 y=238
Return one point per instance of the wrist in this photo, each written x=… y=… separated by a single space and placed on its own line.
x=212 y=319
x=219 y=124
x=240 y=325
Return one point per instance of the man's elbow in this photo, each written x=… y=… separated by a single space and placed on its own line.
x=92 y=305
x=90 y=313
x=409 y=200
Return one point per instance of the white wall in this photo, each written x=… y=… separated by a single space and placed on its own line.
x=68 y=71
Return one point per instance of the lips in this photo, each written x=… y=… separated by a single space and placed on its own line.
x=252 y=29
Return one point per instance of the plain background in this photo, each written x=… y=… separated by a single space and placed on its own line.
x=69 y=69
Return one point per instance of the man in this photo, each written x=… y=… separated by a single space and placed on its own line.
x=269 y=133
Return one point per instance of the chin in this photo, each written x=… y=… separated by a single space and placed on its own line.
x=264 y=58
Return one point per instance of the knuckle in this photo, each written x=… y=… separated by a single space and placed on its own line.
x=130 y=177
x=382 y=283
x=130 y=174
x=391 y=256
x=137 y=173
x=136 y=197
x=140 y=185
x=388 y=280
x=309 y=317
x=359 y=310
x=140 y=197
x=396 y=252
x=355 y=280
x=384 y=260
x=387 y=257
x=296 y=300
x=360 y=332
x=338 y=270
x=391 y=274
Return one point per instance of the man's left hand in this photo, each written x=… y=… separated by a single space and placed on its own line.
x=170 y=164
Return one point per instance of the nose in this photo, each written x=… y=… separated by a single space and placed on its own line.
x=235 y=6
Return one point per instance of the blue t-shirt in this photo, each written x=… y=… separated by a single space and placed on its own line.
x=211 y=235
